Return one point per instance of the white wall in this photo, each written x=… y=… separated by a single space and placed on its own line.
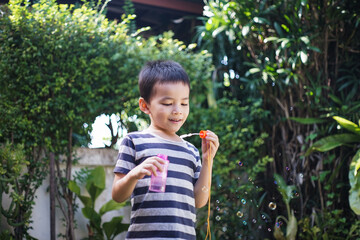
x=41 y=212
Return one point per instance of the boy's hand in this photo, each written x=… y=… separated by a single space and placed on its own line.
x=147 y=167
x=209 y=145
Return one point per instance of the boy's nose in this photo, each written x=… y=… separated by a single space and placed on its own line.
x=176 y=110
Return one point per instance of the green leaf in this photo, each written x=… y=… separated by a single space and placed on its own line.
x=285 y=190
x=328 y=143
x=292 y=227
x=74 y=187
x=114 y=227
x=270 y=39
x=245 y=30
x=335 y=99
x=348 y=124
x=303 y=57
x=86 y=201
x=92 y=215
x=96 y=182
x=278 y=29
x=110 y=206
x=305 y=39
x=308 y=120
x=354 y=179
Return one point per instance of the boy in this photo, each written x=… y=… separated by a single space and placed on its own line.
x=164 y=90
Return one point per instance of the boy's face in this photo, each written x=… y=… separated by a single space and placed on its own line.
x=169 y=107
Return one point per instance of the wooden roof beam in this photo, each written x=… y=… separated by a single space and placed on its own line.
x=179 y=5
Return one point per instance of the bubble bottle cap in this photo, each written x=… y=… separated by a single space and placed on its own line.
x=202 y=134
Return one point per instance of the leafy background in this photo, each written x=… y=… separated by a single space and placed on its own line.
x=267 y=77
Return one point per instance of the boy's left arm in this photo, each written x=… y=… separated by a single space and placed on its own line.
x=209 y=147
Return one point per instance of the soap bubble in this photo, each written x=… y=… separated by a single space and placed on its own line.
x=218 y=208
x=243 y=201
x=217 y=201
x=263 y=216
x=278 y=224
x=218 y=218
x=204 y=189
x=272 y=206
x=254 y=220
x=295 y=193
x=224 y=229
x=239 y=214
x=287 y=169
x=241 y=164
x=244 y=223
x=269 y=229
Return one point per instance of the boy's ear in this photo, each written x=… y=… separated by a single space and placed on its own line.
x=143 y=106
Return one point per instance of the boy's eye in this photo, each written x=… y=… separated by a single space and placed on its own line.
x=166 y=104
x=184 y=104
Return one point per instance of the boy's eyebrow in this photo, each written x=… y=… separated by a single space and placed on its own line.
x=170 y=98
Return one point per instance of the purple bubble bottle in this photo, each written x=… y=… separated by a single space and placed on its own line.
x=158 y=184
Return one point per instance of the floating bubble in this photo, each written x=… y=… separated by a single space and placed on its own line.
x=263 y=216
x=218 y=218
x=217 y=201
x=243 y=201
x=204 y=189
x=218 y=208
x=239 y=214
x=269 y=229
x=295 y=193
x=279 y=224
x=244 y=223
x=241 y=164
x=224 y=229
x=272 y=206
x=254 y=220
x=275 y=182
x=287 y=169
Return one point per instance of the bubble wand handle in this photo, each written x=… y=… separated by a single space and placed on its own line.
x=202 y=134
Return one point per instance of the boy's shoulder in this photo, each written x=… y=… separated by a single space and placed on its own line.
x=139 y=134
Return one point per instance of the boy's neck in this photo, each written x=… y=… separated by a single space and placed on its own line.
x=165 y=135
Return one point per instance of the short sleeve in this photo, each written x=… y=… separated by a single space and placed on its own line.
x=126 y=157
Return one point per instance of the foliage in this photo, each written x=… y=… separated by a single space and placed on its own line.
x=287 y=193
x=95 y=185
x=300 y=58
x=235 y=188
x=12 y=162
x=328 y=143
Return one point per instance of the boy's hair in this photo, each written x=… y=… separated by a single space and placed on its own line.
x=160 y=71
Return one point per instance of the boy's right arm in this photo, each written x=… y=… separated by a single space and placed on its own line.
x=122 y=187
x=124 y=184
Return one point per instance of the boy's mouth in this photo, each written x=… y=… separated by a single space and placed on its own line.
x=175 y=120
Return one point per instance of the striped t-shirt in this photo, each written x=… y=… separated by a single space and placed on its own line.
x=157 y=215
